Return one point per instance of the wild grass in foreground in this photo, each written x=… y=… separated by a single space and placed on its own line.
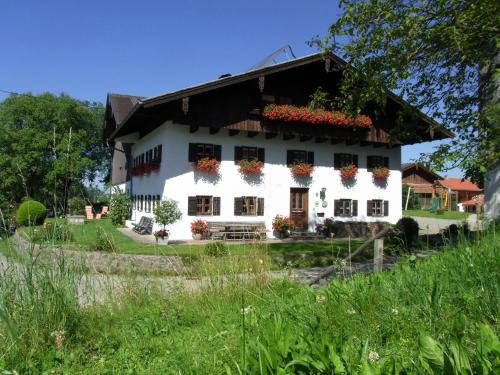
x=438 y=315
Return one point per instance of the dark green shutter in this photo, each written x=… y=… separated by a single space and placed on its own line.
x=336 y=161
x=310 y=158
x=355 y=160
x=336 y=207
x=369 y=162
x=237 y=154
x=261 y=155
x=260 y=206
x=216 y=206
x=354 y=208
x=369 y=208
x=158 y=154
x=192 y=206
x=238 y=206
x=386 y=208
x=192 y=152
x=289 y=157
x=386 y=162
x=218 y=152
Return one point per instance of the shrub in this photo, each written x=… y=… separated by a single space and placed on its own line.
x=104 y=241
x=31 y=212
x=408 y=231
x=167 y=212
x=216 y=249
x=120 y=207
x=76 y=206
x=53 y=231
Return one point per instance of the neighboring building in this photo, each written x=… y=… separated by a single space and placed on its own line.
x=224 y=120
x=421 y=180
x=454 y=191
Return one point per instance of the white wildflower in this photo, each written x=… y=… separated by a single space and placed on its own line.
x=351 y=311
x=320 y=299
x=373 y=357
x=58 y=339
x=395 y=311
x=246 y=310
x=261 y=261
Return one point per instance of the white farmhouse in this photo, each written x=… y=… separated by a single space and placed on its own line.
x=260 y=117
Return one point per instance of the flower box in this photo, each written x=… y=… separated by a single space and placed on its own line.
x=290 y=113
x=302 y=170
x=250 y=167
x=381 y=173
x=348 y=172
x=207 y=165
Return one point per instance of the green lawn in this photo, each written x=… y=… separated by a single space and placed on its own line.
x=452 y=215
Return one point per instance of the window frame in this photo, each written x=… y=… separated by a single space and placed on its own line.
x=201 y=204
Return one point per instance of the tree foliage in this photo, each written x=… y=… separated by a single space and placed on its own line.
x=167 y=212
x=48 y=145
x=442 y=56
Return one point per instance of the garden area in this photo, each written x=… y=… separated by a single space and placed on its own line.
x=450 y=215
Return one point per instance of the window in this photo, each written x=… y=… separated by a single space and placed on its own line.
x=248 y=153
x=248 y=206
x=345 y=207
x=203 y=205
x=299 y=156
x=199 y=151
x=377 y=161
x=377 y=207
x=342 y=160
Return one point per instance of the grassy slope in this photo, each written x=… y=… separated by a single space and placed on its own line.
x=202 y=333
x=452 y=215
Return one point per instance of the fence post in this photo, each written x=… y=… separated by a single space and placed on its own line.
x=378 y=255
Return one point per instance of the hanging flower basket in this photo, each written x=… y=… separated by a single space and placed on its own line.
x=290 y=113
x=348 y=172
x=250 y=167
x=381 y=173
x=302 y=170
x=208 y=165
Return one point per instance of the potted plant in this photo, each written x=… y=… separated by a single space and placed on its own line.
x=348 y=172
x=199 y=228
x=381 y=173
x=161 y=236
x=208 y=165
x=250 y=167
x=281 y=225
x=302 y=170
x=166 y=212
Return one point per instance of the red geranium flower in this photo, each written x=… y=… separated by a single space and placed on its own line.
x=208 y=165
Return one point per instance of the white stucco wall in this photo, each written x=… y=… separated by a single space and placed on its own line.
x=177 y=180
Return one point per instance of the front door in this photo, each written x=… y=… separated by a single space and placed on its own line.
x=299 y=199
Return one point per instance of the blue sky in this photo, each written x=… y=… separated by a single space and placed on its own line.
x=89 y=48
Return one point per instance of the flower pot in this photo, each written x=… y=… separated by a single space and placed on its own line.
x=197 y=236
x=162 y=241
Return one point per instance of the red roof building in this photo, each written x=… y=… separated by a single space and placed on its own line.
x=463 y=188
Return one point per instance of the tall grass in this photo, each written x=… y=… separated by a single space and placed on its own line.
x=436 y=315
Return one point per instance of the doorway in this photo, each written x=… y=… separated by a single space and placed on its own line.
x=299 y=210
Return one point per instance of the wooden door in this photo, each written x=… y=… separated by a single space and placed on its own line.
x=299 y=199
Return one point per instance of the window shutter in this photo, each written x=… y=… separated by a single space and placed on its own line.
x=369 y=208
x=354 y=207
x=336 y=207
x=310 y=157
x=216 y=206
x=192 y=152
x=386 y=162
x=289 y=157
x=238 y=206
x=158 y=155
x=386 y=208
x=369 y=162
x=261 y=155
x=237 y=154
x=355 y=160
x=260 y=206
x=218 y=152
x=191 y=206
x=336 y=161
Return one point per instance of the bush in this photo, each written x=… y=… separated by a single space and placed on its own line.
x=408 y=231
x=167 y=212
x=216 y=249
x=76 y=206
x=104 y=241
x=31 y=212
x=120 y=207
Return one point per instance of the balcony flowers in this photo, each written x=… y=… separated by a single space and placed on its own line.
x=302 y=170
x=139 y=170
x=199 y=228
x=380 y=173
x=281 y=225
x=348 y=172
x=250 y=167
x=207 y=165
x=320 y=116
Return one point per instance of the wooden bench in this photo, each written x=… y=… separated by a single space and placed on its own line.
x=145 y=226
x=234 y=231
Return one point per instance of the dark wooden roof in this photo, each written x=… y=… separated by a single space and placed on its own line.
x=407 y=168
x=215 y=105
